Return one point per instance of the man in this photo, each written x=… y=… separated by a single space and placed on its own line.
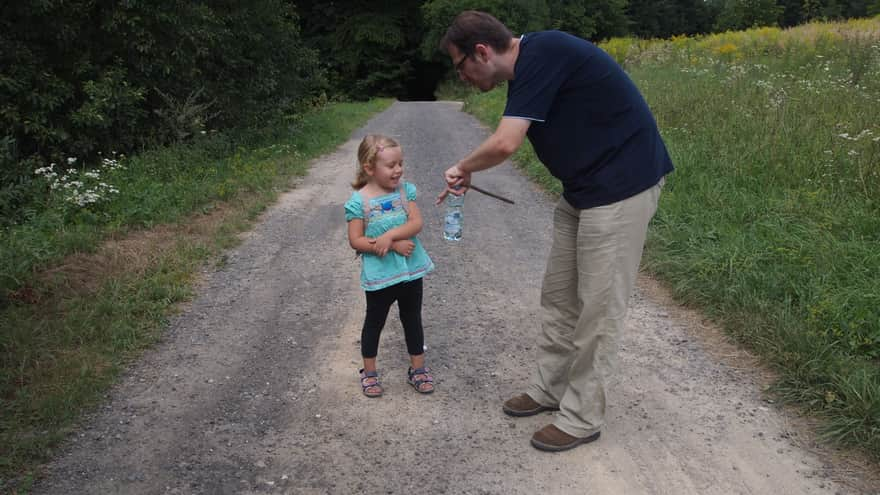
x=592 y=129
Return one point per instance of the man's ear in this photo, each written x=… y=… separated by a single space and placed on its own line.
x=482 y=51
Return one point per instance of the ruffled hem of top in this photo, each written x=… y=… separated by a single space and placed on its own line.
x=371 y=285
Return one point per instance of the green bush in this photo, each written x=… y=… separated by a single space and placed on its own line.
x=20 y=193
x=78 y=77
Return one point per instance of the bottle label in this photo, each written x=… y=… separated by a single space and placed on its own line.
x=452 y=230
x=452 y=227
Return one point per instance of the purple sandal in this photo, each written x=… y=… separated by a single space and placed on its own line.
x=370 y=383
x=421 y=380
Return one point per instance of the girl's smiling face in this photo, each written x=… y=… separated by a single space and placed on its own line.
x=387 y=168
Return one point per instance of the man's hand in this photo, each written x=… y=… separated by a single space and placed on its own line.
x=404 y=247
x=457 y=182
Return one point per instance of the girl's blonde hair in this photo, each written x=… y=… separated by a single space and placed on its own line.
x=370 y=146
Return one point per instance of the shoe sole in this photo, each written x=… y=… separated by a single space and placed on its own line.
x=519 y=413
x=559 y=448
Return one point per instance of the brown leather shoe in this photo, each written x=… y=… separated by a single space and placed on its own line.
x=522 y=405
x=552 y=439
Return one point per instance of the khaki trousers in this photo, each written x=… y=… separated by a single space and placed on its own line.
x=590 y=276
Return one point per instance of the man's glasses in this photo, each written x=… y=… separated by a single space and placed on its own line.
x=458 y=64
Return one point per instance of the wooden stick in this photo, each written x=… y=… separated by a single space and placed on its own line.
x=491 y=195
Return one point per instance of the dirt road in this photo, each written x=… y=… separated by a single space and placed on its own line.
x=254 y=390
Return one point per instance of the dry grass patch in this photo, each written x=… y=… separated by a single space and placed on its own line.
x=131 y=253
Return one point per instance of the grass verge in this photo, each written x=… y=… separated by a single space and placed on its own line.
x=93 y=288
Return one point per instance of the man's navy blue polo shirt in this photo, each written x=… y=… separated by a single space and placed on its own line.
x=590 y=125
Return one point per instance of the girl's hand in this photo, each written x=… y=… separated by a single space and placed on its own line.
x=383 y=244
x=404 y=247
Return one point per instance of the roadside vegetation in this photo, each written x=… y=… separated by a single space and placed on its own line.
x=136 y=142
x=771 y=222
x=97 y=274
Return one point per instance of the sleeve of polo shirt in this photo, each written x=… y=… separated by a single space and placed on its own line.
x=539 y=75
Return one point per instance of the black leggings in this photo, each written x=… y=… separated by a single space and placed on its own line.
x=409 y=301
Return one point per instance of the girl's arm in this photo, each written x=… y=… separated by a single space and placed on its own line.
x=408 y=230
x=412 y=226
x=356 y=238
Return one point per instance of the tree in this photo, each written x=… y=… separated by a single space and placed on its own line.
x=590 y=19
x=665 y=18
x=369 y=47
x=78 y=77
x=743 y=14
x=609 y=17
x=518 y=15
x=792 y=12
x=800 y=11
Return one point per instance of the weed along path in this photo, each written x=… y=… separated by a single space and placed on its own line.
x=254 y=388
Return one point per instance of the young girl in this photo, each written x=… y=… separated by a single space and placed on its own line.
x=383 y=220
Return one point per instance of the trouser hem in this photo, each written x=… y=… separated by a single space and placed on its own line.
x=575 y=431
x=540 y=396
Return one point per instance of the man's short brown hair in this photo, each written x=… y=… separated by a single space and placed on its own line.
x=471 y=27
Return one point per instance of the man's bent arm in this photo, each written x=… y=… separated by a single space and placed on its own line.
x=506 y=139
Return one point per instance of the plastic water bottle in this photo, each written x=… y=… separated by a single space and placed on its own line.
x=452 y=227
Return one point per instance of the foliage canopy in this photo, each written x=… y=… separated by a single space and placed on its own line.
x=79 y=77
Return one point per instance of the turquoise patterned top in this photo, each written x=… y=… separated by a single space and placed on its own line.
x=386 y=213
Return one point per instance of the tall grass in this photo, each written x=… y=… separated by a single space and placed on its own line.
x=87 y=289
x=771 y=221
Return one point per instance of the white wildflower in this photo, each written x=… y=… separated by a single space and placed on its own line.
x=866 y=132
